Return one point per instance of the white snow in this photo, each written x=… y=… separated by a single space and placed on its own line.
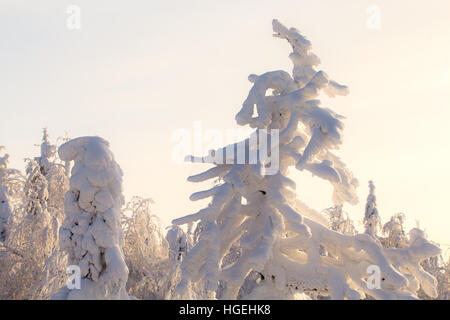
x=92 y=233
x=278 y=235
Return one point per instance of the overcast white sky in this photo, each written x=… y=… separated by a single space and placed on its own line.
x=138 y=70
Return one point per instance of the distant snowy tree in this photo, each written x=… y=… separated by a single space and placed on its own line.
x=11 y=202
x=411 y=253
x=440 y=270
x=11 y=186
x=39 y=268
x=91 y=233
x=180 y=242
x=48 y=152
x=5 y=212
x=433 y=269
x=372 y=221
x=146 y=251
x=340 y=221
x=408 y=261
x=395 y=236
x=54 y=171
x=280 y=237
x=33 y=239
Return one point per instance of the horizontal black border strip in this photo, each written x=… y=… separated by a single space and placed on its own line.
x=222 y=309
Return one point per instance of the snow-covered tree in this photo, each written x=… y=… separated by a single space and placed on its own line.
x=372 y=221
x=37 y=266
x=11 y=185
x=339 y=220
x=91 y=233
x=48 y=152
x=5 y=212
x=411 y=253
x=433 y=269
x=439 y=268
x=55 y=172
x=32 y=239
x=395 y=235
x=146 y=251
x=280 y=237
x=179 y=242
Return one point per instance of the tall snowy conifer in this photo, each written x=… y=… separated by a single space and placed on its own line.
x=92 y=233
x=280 y=237
x=372 y=220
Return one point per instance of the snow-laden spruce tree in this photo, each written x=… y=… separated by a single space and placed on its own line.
x=146 y=251
x=394 y=233
x=280 y=237
x=55 y=172
x=372 y=221
x=53 y=276
x=91 y=233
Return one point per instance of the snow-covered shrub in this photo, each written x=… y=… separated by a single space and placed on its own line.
x=11 y=197
x=280 y=237
x=91 y=234
x=53 y=169
x=340 y=221
x=146 y=251
x=32 y=239
x=180 y=242
x=406 y=252
x=11 y=187
x=440 y=270
x=395 y=235
x=36 y=266
x=5 y=212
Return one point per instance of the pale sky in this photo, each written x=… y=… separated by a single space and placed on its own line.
x=138 y=70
